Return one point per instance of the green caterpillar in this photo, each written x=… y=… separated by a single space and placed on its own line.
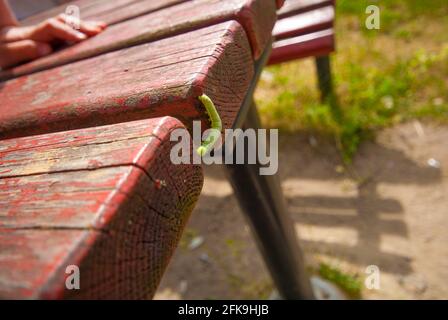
x=216 y=126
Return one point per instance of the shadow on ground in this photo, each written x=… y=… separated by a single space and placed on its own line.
x=386 y=210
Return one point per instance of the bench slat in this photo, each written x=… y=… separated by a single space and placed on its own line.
x=304 y=23
x=316 y=44
x=256 y=16
x=155 y=79
x=108 y=11
x=117 y=214
x=293 y=7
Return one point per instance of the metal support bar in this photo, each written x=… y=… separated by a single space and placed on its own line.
x=261 y=200
x=324 y=77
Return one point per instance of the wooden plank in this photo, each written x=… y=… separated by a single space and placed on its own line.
x=309 y=22
x=256 y=16
x=294 y=7
x=155 y=79
x=117 y=214
x=311 y=45
x=107 y=11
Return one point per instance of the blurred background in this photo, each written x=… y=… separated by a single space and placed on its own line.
x=366 y=185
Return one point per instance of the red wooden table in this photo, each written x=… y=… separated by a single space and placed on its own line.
x=85 y=174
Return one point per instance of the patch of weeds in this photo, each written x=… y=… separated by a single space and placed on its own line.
x=188 y=235
x=258 y=290
x=235 y=281
x=434 y=111
x=351 y=284
x=236 y=247
x=375 y=97
x=371 y=96
x=250 y=289
x=378 y=83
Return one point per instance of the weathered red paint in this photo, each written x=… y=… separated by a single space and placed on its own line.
x=108 y=198
x=256 y=16
x=316 y=44
x=155 y=79
x=294 y=7
x=107 y=11
x=304 y=29
x=304 y=23
x=97 y=205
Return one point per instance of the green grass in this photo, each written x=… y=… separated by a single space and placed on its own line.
x=188 y=235
x=351 y=284
x=394 y=13
x=383 y=77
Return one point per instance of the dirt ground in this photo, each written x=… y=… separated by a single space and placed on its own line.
x=390 y=209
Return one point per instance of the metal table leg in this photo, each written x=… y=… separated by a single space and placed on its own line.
x=261 y=200
x=324 y=77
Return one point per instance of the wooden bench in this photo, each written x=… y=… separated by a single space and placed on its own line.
x=106 y=199
x=305 y=28
x=81 y=130
x=155 y=79
x=256 y=17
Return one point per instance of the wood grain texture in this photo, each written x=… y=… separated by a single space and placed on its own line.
x=108 y=11
x=294 y=7
x=110 y=202
x=311 y=45
x=156 y=79
x=256 y=16
x=304 y=23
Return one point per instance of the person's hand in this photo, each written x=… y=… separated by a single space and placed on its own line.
x=19 y=44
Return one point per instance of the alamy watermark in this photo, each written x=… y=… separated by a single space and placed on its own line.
x=372 y=280
x=72 y=16
x=241 y=147
x=72 y=281
x=373 y=21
